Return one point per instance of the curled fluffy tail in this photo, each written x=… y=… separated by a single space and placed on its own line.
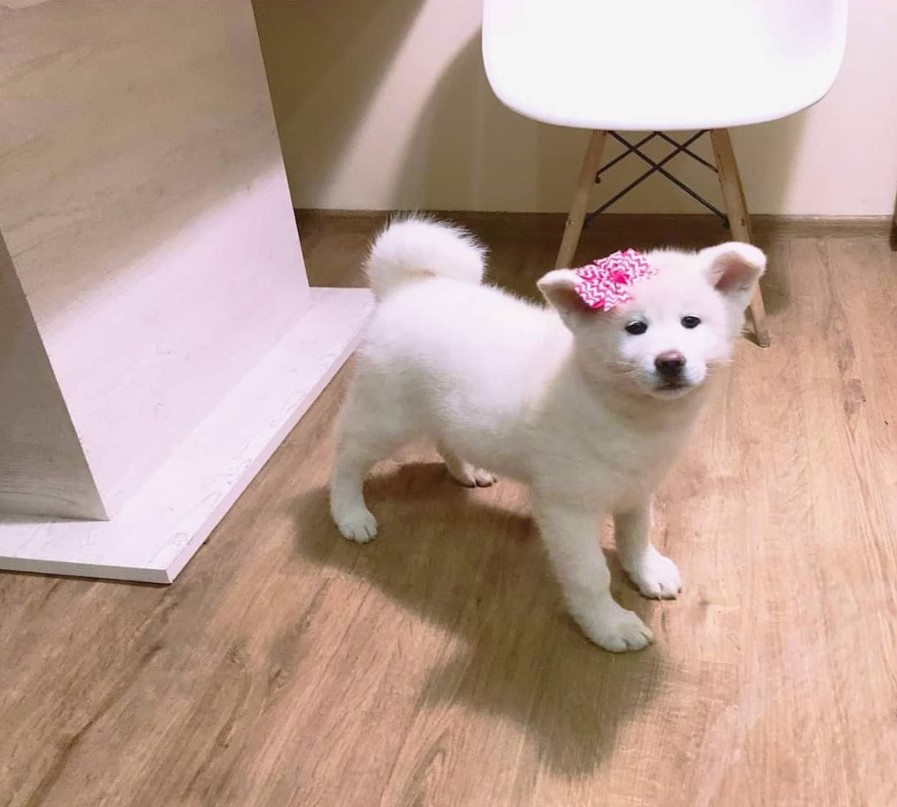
x=418 y=247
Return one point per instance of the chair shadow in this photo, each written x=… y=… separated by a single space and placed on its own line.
x=318 y=119
x=458 y=559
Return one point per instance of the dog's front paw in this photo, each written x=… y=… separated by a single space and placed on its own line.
x=359 y=525
x=614 y=628
x=655 y=575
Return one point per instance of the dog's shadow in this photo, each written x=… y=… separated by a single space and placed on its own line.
x=465 y=561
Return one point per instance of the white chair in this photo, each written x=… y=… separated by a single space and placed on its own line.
x=662 y=66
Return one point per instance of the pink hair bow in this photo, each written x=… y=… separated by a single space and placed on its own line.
x=603 y=283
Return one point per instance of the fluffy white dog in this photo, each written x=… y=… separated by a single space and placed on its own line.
x=587 y=407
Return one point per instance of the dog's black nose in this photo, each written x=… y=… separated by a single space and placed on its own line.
x=670 y=363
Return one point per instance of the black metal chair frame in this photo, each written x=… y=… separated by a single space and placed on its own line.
x=657 y=167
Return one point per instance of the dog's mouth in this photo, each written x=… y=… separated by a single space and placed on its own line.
x=672 y=389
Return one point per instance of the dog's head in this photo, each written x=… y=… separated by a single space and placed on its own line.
x=679 y=325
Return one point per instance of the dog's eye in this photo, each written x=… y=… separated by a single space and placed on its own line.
x=690 y=322
x=636 y=328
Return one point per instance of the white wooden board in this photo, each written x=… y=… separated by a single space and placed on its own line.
x=145 y=205
x=43 y=470
x=158 y=528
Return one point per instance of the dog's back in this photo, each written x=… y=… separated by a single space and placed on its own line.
x=457 y=359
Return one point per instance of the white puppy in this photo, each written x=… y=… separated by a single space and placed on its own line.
x=588 y=407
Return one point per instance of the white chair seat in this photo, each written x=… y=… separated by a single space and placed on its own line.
x=662 y=64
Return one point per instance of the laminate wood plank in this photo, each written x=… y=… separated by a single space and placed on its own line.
x=437 y=666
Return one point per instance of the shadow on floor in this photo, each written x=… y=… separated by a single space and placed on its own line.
x=464 y=561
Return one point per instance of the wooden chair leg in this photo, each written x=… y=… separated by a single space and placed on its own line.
x=580 y=204
x=739 y=219
x=893 y=238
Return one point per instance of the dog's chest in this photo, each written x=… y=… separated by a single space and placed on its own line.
x=631 y=466
x=608 y=467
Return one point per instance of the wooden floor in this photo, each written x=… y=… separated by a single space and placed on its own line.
x=436 y=665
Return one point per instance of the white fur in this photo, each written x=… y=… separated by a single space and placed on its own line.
x=397 y=254
x=562 y=398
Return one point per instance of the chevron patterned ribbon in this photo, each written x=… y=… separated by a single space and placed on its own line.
x=604 y=282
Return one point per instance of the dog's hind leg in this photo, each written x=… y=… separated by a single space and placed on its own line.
x=463 y=472
x=362 y=441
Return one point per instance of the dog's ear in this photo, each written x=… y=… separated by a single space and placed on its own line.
x=733 y=269
x=559 y=288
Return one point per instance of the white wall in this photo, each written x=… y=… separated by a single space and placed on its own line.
x=384 y=105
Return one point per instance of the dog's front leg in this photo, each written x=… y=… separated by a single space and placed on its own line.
x=570 y=535
x=654 y=574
